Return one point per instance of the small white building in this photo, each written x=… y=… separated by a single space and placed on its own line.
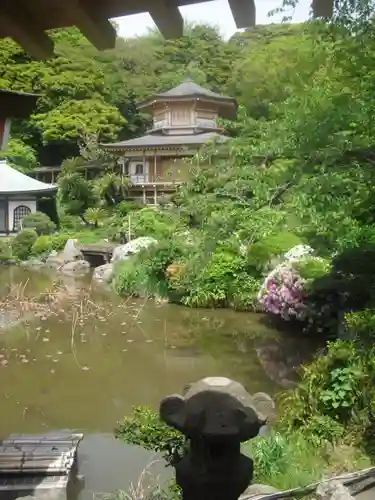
x=21 y=195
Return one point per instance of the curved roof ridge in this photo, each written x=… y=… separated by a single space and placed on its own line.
x=13 y=181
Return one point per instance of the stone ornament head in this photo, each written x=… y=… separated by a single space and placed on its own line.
x=217 y=409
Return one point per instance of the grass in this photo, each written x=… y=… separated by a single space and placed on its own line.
x=292 y=461
x=147 y=487
x=91 y=235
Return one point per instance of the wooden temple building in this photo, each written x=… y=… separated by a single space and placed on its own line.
x=183 y=120
x=19 y=194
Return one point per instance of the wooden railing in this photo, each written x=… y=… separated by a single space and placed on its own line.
x=150 y=178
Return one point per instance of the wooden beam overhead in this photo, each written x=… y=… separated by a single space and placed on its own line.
x=99 y=31
x=322 y=8
x=25 y=30
x=167 y=17
x=244 y=12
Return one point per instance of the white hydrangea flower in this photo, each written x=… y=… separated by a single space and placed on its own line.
x=298 y=252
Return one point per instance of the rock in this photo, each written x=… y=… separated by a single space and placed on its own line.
x=103 y=274
x=258 y=489
x=333 y=490
x=50 y=494
x=71 y=253
x=77 y=268
x=122 y=252
x=33 y=263
x=8 y=262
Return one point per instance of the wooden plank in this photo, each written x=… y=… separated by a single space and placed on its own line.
x=27 y=460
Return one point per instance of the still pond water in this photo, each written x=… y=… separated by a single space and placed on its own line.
x=85 y=361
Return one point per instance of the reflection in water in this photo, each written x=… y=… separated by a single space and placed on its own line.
x=87 y=364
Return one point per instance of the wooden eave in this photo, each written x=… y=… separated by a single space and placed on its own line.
x=26 y=21
x=16 y=104
x=227 y=106
x=122 y=149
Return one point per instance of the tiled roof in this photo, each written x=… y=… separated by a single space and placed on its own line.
x=190 y=88
x=163 y=141
x=13 y=181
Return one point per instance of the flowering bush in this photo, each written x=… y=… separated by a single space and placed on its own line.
x=285 y=290
x=283 y=293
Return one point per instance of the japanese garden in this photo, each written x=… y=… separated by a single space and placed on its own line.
x=228 y=187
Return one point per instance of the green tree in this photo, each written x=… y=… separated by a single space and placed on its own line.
x=75 y=192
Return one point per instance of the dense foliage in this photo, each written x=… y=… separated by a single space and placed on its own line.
x=40 y=222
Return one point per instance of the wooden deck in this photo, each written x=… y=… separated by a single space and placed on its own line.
x=32 y=463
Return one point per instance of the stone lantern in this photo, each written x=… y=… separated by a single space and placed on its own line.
x=216 y=415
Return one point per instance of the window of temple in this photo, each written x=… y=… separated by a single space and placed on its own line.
x=181 y=116
x=19 y=213
x=139 y=169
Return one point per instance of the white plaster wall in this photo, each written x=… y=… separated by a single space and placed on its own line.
x=13 y=204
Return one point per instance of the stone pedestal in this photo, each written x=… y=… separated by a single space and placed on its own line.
x=216 y=414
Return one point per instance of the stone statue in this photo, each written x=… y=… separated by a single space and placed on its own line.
x=216 y=414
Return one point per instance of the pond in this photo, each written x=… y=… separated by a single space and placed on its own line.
x=86 y=360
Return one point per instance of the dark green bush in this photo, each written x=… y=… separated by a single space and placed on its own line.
x=23 y=242
x=39 y=222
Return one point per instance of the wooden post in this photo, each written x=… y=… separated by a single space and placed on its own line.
x=155 y=189
x=216 y=414
x=129 y=228
x=155 y=166
x=6 y=215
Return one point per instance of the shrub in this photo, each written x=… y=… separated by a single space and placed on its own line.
x=95 y=216
x=39 y=222
x=42 y=245
x=312 y=268
x=283 y=293
x=23 y=242
x=129 y=278
x=262 y=252
x=5 y=250
x=70 y=222
x=221 y=281
x=144 y=428
x=338 y=386
x=125 y=207
x=361 y=325
x=146 y=272
x=59 y=241
x=152 y=222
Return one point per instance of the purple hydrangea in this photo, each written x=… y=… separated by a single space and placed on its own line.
x=283 y=293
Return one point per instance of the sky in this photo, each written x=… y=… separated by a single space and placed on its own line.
x=216 y=13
